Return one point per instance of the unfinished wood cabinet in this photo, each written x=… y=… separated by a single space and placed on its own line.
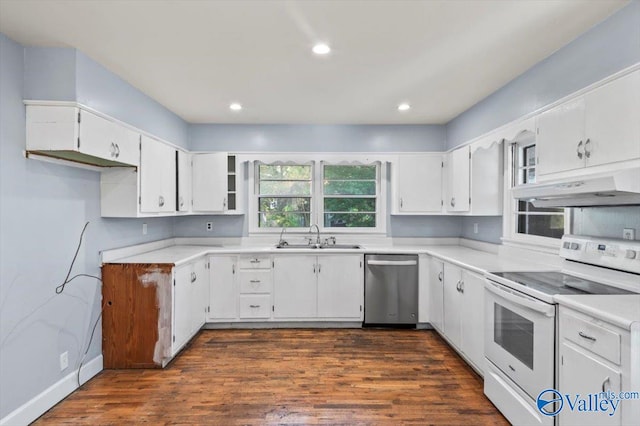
x=147 y=315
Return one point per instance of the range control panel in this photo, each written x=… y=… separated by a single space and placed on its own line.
x=618 y=254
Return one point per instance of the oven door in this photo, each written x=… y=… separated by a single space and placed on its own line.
x=520 y=337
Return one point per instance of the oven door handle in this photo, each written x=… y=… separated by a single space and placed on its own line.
x=520 y=299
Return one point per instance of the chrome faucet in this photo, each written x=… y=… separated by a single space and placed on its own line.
x=282 y=242
x=317 y=232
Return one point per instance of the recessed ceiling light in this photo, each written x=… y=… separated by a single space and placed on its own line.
x=404 y=107
x=235 y=106
x=321 y=49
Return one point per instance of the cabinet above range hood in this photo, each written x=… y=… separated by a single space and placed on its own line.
x=615 y=188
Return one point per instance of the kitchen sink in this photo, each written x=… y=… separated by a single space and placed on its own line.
x=319 y=246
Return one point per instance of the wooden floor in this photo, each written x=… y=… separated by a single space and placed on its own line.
x=228 y=377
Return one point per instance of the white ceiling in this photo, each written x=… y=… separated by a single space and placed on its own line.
x=195 y=57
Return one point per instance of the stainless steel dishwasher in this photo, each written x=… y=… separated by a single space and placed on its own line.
x=391 y=289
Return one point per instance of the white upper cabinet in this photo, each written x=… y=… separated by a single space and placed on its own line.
x=74 y=134
x=210 y=191
x=157 y=176
x=598 y=128
x=612 y=121
x=458 y=183
x=487 y=177
x=183 y=164
x=417 y=184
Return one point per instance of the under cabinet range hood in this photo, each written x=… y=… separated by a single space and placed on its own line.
x=615 y=188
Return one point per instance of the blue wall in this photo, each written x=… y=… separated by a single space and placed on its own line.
x=610 y=46
x=42 y=211
x=318 y=138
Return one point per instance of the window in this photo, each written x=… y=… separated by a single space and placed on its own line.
x=350 y=195
x=531 y=223
x=340 y=193
x=284 y=195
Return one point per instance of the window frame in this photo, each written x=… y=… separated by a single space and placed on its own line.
x=511 y=236
x=317 y=160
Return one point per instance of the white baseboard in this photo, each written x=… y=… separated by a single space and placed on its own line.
x=55 y=393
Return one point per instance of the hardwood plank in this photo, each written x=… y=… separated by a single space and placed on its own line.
x=288 y=377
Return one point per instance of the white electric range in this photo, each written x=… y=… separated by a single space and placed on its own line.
x=521 y=319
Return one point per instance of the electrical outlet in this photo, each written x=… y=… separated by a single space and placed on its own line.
x=64 y=360
x=628 y=234
x=144 y=229
x=475 y=228
x=209 y=226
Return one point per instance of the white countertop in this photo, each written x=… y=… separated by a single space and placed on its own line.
x=476 y=260
x=621 y=310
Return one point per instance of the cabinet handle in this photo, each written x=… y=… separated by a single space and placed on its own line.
x=462 y=286
x=224 y=203
x=161 y=201
x=605 y=382
x=314 y=268
x=319 y=266
x=458 y=286
x=255 y=260
x=401 y=202
x=586 y=336
x=233 y=268
x=117 y=150
x=587 y=153
x=453 y=201
x=440 y=276
x=578 y=152
x=113 y=149
x=254 y=281
x=181 y=201
x=254 y=306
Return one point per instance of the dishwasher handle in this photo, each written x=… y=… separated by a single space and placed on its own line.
x=392 y=262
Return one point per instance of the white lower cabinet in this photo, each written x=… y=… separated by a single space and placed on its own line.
x=340 y=287
x=223 y=304
x=295 y=286
x=191 y=287
x=325 y=287
x=436 y=296
x=463 y=312
x=595 y=357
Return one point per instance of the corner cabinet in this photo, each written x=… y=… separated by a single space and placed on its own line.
x=458 y=180
x=417 y=184
x=598 y=128
x=146 y=192
x=75 y=134
x=151 y=311
x=215 y=183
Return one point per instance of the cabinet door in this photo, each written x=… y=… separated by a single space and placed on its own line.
x=419 y=183
x=340 y=286
x=182 y=299
x=200 y=294
x=612 y=121
x=458 y=180
x=295 y=286
x=222 y=287
x=559 y=138
x=581 y=374
x=127 y=144
x=472 y=318
x=184 y=181
x=97 y=136
x=209 y=182
x=436 y=293
x=452 y=304
x=487 y=177
x=157 y=176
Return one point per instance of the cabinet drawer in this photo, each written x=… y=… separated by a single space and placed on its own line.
x=597 y=339
x=255 y=306
x=255 y=281
x=255 y=262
